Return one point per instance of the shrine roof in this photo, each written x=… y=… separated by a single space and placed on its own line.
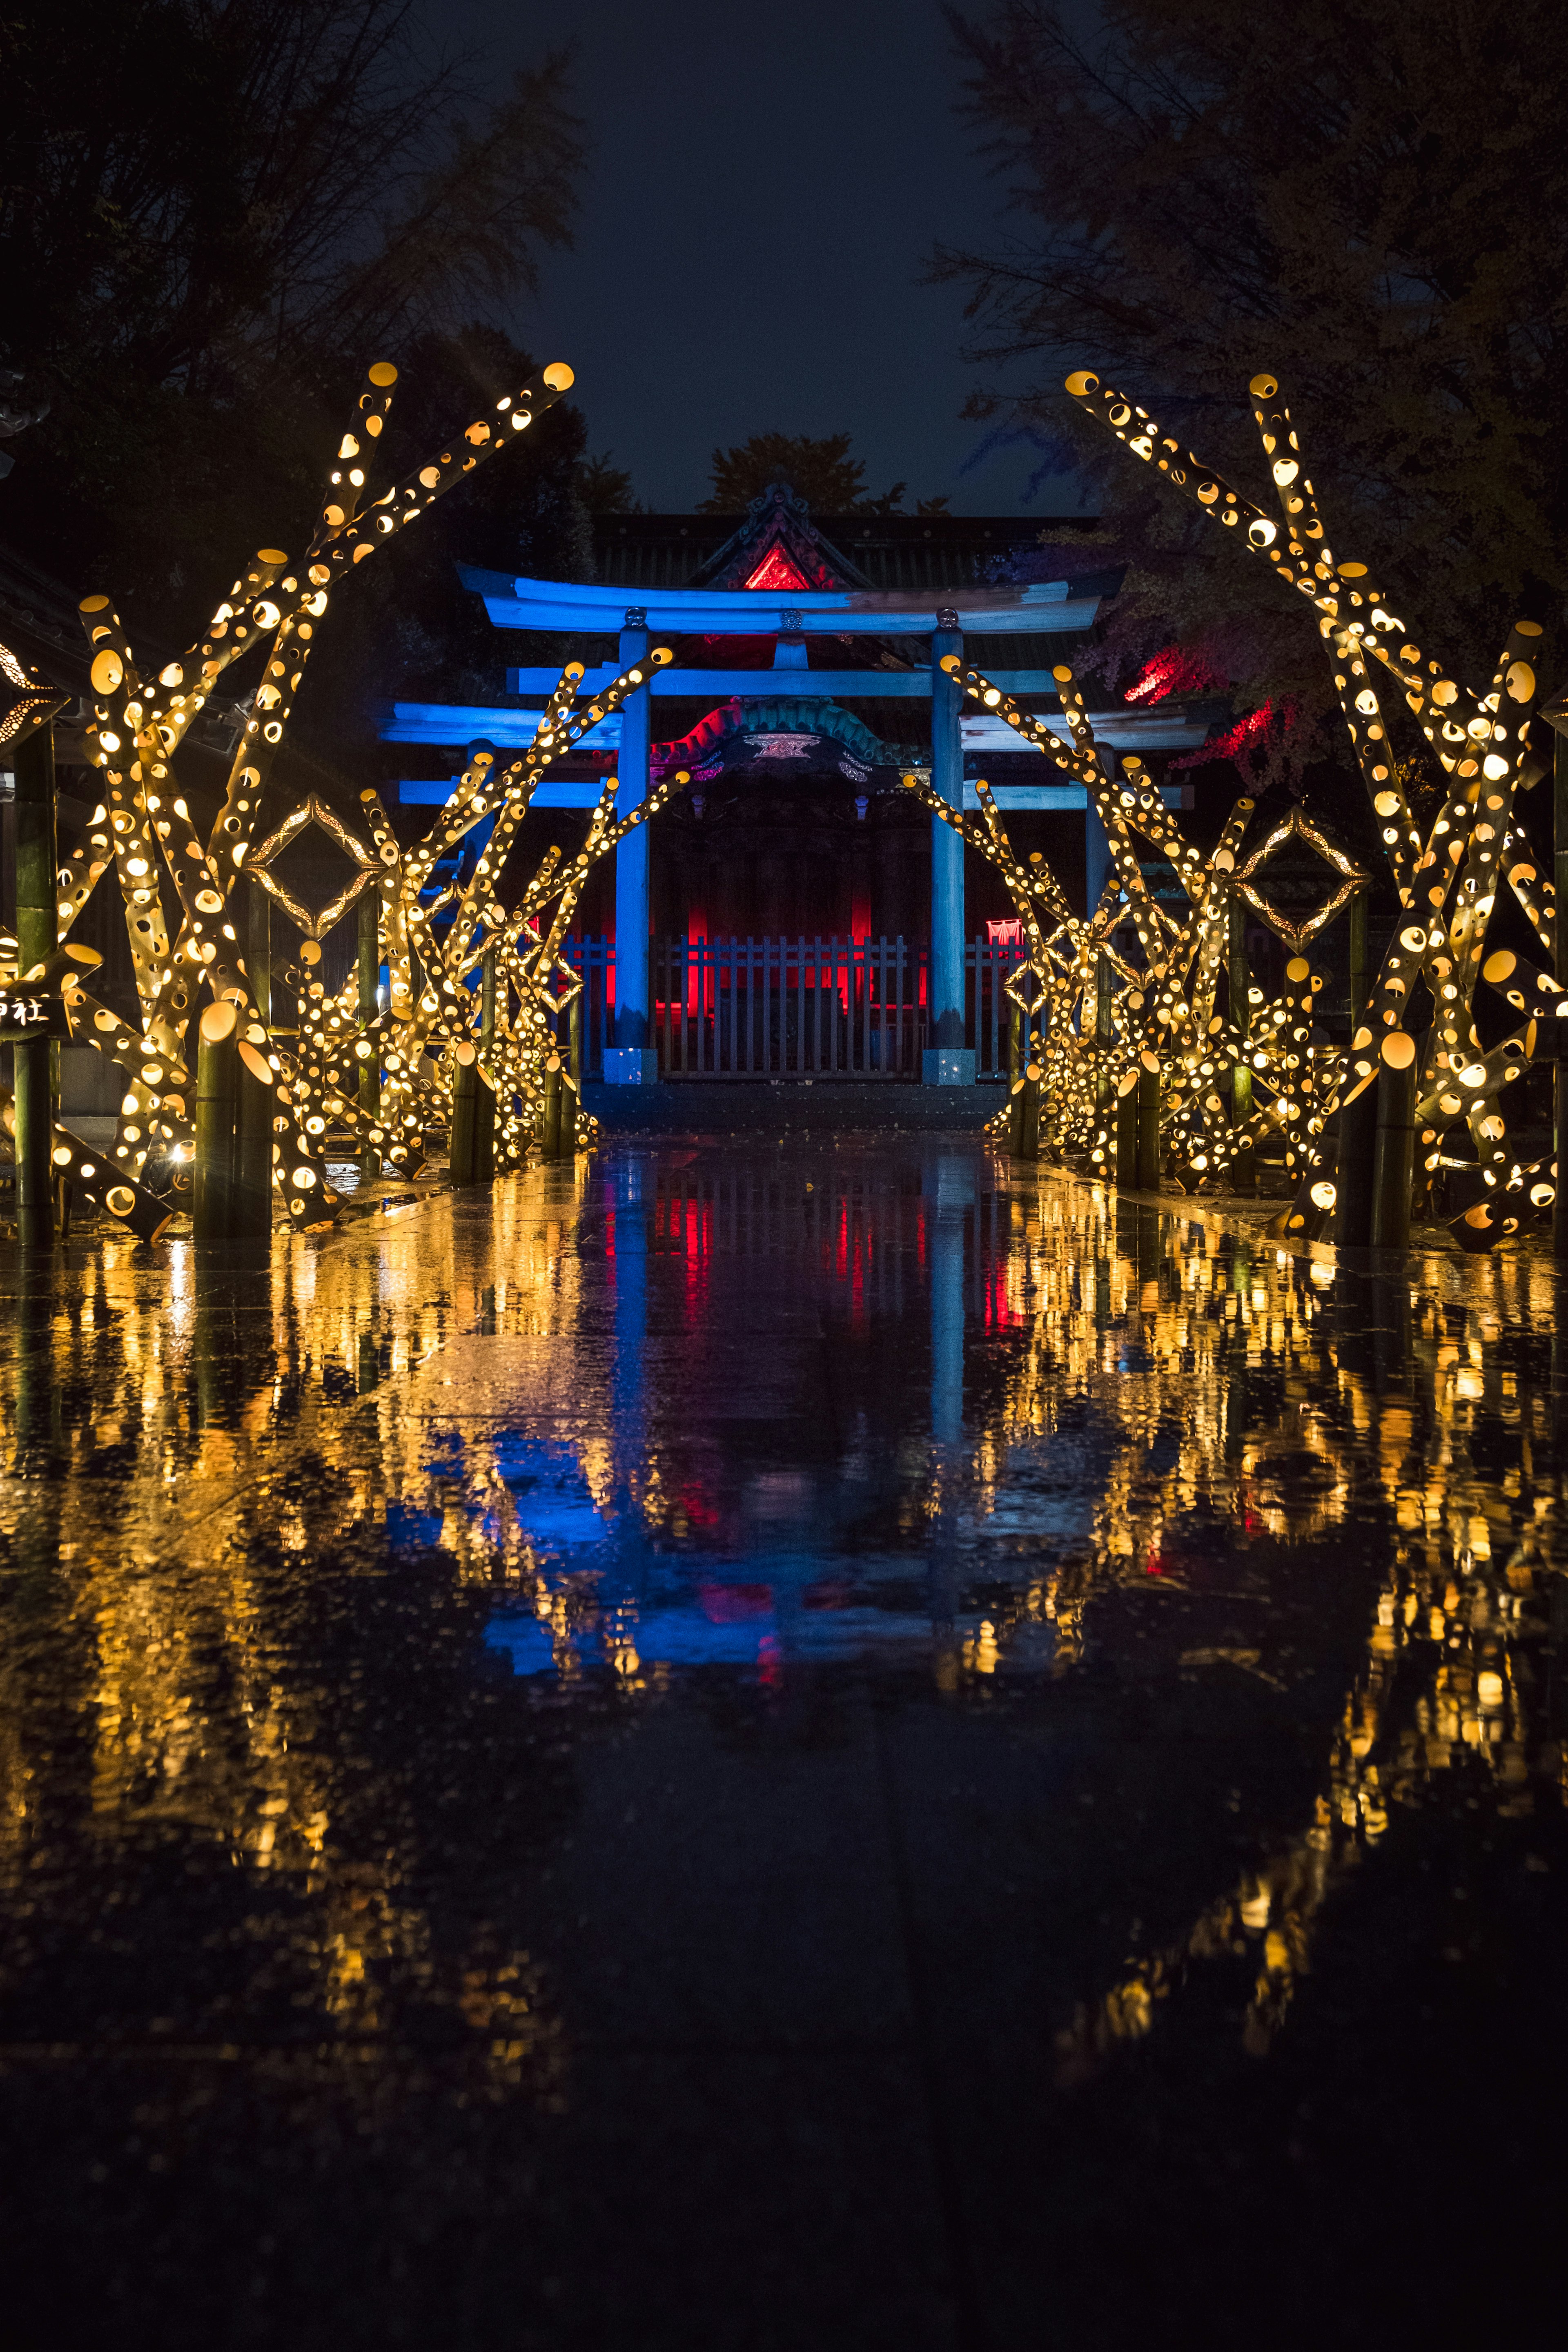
x=888 y=554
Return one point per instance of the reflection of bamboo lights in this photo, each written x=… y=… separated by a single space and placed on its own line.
x=200 y=1725
x=1451 y=1608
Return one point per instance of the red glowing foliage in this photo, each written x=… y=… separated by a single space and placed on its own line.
x=1174 y=671
x=1255 y=732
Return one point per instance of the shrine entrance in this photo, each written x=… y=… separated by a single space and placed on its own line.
x=791 y=912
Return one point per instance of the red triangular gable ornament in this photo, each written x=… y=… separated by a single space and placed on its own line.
x=776 y=570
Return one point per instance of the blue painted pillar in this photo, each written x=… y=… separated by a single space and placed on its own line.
x=946 y=1063
x=632 y=1060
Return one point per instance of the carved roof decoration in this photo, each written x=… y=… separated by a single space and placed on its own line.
x=778 y=546
x=821 y=735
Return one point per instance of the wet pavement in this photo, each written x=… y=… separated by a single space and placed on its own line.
x=779 y=1743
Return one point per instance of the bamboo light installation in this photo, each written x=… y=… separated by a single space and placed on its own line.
x=136 y=725
x=134 y=728
x=436 y=1025
x=1154 y=1043
x=1443 y=1078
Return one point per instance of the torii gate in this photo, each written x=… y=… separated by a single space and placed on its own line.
x=790 y=617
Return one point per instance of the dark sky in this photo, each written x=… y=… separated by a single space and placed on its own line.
x=765 y=182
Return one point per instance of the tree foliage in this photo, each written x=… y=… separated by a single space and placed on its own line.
x=821 y=471
x=606 y=487
x=1370 y=201
x=213 y=213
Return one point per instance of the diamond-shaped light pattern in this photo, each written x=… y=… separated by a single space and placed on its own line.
x=313 y=811
x=1298 y=826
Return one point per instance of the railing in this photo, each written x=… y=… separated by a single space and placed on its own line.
x=789 y=1008
x=795 y=1008
x=596 y=959
x=987 y=1010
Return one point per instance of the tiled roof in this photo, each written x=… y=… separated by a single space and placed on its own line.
x=893 y=553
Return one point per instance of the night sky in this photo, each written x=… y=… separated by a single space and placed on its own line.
x=764 y=186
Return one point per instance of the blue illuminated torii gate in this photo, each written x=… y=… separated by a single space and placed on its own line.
x=561 y=607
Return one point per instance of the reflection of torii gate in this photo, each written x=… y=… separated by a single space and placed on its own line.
x=559 y=607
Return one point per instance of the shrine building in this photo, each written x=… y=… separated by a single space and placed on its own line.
x=805 y=683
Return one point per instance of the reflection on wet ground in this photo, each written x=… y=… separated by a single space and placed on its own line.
x=778 y=1744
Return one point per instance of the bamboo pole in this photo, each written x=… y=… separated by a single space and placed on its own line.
x=461 y=1147
x=1028 y=1099
x=1358 y=956
x=1126 y=1115
x=253 y=1148
x=485 y=1140
x=1239 y=979
x=214 y=1207
x=1148 y=1099
x=1355 y=1170
x=36 y=937
x=1560 y=863
x=1393 y=1154
x=369 y=986
x=550 y=1115
x=1018 y=1061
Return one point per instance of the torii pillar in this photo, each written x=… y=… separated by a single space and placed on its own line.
x=633 y=1059
x=946 y=1061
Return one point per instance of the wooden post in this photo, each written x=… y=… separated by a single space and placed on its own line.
x=1355 y=1169
x=37 y=935
x=1559 y=874
x=253 y=1153
x=213 y=1204
x=368 y=1097
x=1239 y=979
